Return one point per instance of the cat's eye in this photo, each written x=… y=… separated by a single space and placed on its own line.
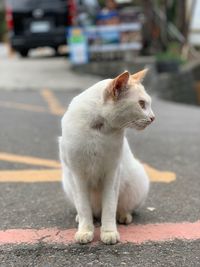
x=142 y=104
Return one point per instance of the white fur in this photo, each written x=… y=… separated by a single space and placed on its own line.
x=101 y=177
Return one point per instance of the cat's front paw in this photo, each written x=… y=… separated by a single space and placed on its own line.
x=84 y=237
x=110 y=237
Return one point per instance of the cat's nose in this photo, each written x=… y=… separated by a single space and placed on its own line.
x=152 y=118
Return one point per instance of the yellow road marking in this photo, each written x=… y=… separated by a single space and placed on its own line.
x=53 y=104
x=22 y=106
x=30 y=176
x=54 y=175
x=159 y=176
x=29 y=160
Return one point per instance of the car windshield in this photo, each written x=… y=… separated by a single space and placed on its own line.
x=32 y=4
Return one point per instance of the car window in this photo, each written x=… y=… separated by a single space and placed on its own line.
x=31 y=4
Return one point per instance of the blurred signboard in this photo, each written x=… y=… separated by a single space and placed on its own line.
x=85 y=41
x=125 y=36
x=78 y=47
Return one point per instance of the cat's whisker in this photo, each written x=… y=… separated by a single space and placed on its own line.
x=126 y=124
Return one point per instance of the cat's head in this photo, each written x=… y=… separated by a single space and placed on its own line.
x=127 y=103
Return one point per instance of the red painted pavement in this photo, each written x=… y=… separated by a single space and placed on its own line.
x=136 y=234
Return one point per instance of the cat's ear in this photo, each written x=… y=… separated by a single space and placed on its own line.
x=118 y=86
x=139 y=76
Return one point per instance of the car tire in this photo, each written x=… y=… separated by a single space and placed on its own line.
x=23 y=53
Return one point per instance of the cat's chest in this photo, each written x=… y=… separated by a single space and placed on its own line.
x=97 y=154
x=100 y=148
x=104 y=144
x=89 y=152
x=100 y=156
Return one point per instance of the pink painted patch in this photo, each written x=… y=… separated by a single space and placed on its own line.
x=33 y=236
x=160 y=232
x=136 y=234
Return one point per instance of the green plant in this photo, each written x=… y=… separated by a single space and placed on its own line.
x=173 y=53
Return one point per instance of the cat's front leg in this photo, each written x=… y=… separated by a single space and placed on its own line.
x=85 y=233
x=109 y=233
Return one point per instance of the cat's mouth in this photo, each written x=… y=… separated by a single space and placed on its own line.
x=139 y=125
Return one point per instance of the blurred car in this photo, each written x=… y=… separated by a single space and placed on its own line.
x=37 y=23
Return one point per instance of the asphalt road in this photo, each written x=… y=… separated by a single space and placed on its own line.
x=29 y=127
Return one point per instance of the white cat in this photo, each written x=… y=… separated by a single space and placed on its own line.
x=101 y=177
